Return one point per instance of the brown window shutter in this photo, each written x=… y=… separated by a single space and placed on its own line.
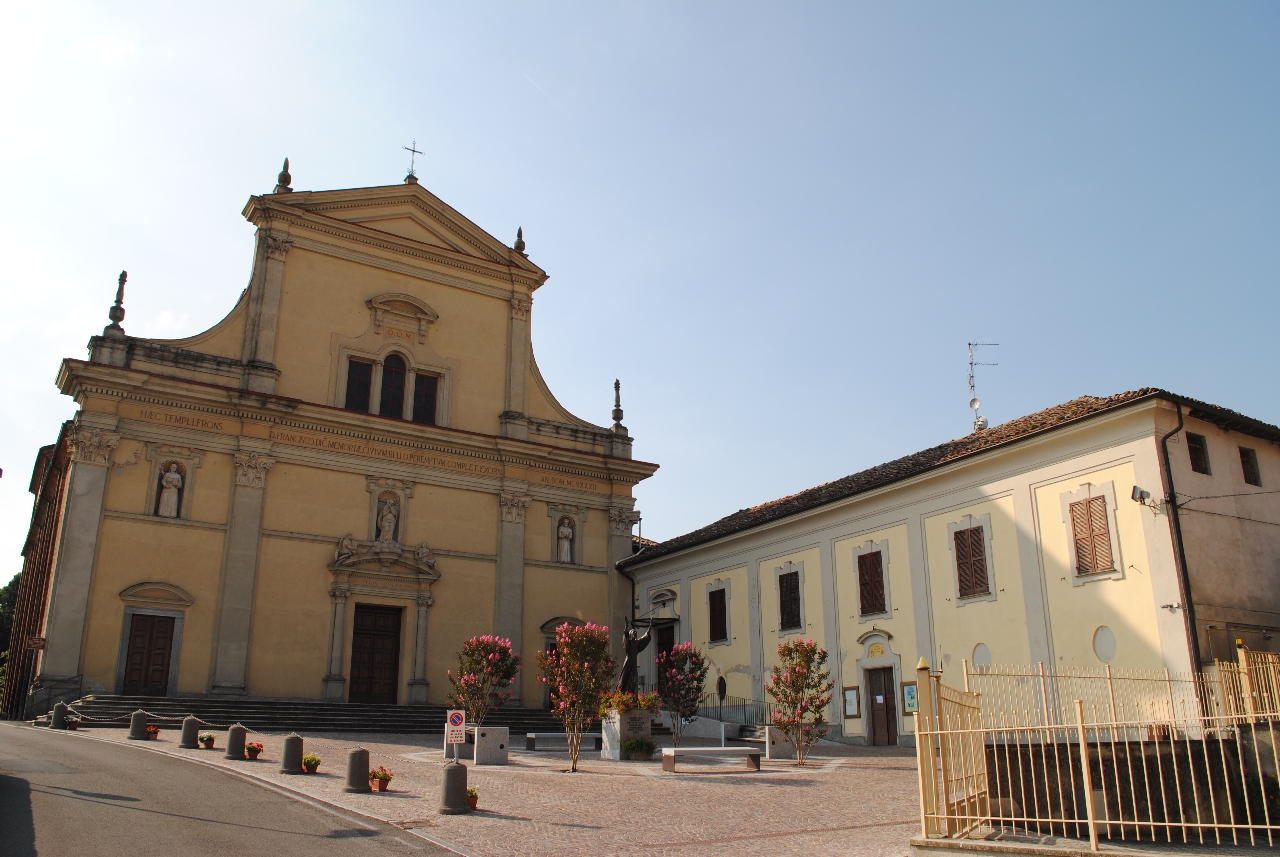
x=978 y=559
x=1083 y=538
x=871 y=583
x=719 y=625
x=789 y=598
x=964 y=568
x=1102 y=559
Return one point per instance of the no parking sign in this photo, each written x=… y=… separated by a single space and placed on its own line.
x=455 y=727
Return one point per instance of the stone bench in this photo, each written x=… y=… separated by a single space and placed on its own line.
x=670 y=754
x=531 y=738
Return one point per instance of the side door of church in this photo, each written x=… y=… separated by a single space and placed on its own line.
x=146 y=671
x=375 y=655
x=881 y=699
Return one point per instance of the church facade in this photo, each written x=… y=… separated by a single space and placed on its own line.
x=330 y=490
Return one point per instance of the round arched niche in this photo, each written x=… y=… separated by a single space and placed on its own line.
x=1104 y=644
x=981 y=655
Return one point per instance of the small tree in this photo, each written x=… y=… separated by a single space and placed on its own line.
x=681 y=674
x=578 y=673
x=802 y=689
x=486 y=668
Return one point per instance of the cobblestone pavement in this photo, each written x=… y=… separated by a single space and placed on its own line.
x=847 y=801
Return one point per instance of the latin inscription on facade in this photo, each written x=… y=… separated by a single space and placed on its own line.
x=185 y=420
x=398 y=334
x=568 y=482
x=374 y=450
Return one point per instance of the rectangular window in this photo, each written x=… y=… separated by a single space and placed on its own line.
x=789 y=600
x=424 y=399
x=359 y=380
x=1249 y=463
x=971 y=562
x=1198 y=447
x=719 y=615
x=870 y=583
x=1091 y=535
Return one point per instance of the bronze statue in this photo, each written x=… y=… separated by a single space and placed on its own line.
x=636 y=643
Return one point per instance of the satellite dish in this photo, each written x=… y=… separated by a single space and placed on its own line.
x=974 y=404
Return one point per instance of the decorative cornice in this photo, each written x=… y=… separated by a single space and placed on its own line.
x=513 y=507
x=251 y=469
x=621 y=521
x=93 y=446
x=278 y=248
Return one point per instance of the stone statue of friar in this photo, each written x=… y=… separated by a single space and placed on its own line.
x=564 y=539
x=170 y=486
x=635 y=644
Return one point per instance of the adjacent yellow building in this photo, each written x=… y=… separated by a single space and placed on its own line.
x=1140 y=530
x=327 y=492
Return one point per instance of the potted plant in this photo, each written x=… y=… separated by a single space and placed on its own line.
x=251 y=751
x=473 y=799
x=206 y=740
x=310 y=762
x=380 y=778
x=638 y=749
x=73 y=723
x=153 y=732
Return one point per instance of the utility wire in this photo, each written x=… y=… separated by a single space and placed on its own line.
x=1220 y=496
x=1223 y=515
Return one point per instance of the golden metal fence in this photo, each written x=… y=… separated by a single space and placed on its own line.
x=1142 y=760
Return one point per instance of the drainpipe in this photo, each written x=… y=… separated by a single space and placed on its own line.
x=1184 y=580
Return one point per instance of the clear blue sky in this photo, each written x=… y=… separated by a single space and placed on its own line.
x=778 y=224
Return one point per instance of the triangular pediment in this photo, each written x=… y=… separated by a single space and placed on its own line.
x=408 y=211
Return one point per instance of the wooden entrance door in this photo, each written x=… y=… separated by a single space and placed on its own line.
x=375 y=654
x=146 y=670
x=882 y=700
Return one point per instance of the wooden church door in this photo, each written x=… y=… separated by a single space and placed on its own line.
x=884 y=709
x=146 y=671
x=375 y=655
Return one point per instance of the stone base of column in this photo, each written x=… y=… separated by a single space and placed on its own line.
x=334 y=685
x=418 y=691
x=229 y=690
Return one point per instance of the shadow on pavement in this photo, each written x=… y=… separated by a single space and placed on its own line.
x=15 y=817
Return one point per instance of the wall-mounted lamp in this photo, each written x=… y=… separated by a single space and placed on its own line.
x=1172 y=608
x=1143 y=498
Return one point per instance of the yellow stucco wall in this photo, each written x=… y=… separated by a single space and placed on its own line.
x=959 y=625
x=464 y=609
x=550 y=593
x=1124 y=605
x=731 y=660
x=288 y=647
x=811 y=595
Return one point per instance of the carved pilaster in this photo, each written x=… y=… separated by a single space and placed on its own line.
x=520 y=307
x=621 y=521
x=513 y=507
x=251 y=469
x=93 y=446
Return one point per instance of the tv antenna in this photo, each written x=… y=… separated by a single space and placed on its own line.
x=979 y=421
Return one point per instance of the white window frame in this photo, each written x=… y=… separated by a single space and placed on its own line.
x=1107 y=490
x=966 y=522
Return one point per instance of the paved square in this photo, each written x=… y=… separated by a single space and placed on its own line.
x=848 y=801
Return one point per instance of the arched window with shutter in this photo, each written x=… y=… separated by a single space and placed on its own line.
x=393 y=378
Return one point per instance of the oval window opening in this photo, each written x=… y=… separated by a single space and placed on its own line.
x=981 y=655
x=1104 y=644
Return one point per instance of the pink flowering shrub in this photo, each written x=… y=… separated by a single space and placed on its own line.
x=487 y=667
x=681 y=674
x=578 y=672
x=802 y=689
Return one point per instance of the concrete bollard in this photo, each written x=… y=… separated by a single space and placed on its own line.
x=357 y=770
x=235 y=742
x=190 y=734
x=291 y=758
x=138 y=726
x=453 y=794
x=530 y=741
x=59 y=719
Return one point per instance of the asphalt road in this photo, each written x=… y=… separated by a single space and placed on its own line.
x=67 y=794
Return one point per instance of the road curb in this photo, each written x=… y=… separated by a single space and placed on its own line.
x=265 y=783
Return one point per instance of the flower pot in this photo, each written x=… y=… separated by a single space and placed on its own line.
x=474 y=802
x=310 y=769
x=208 y=745
x=639 y=756
x=72 y=725
x=252 y=754
x=379 y=785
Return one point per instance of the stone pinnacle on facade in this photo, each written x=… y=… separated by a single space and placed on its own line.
x=116 y=313
x=617 y=406
x=519 y=245
x=283 y=180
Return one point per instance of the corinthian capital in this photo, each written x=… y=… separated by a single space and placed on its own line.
x=251 y=469
x=513 y=507
x=520 y=306
x=278 y=248
x=93 y=446
x=621 y=521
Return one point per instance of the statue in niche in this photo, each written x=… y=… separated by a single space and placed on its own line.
x=564 y=540
x=170 y=492
x=387 y=524
x=347 y=547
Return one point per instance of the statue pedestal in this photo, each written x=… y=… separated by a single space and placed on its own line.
x=618 y=727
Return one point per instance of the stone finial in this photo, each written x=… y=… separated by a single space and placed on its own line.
x=116 y=313
x=283 y=180
x=519 y=245
x=617 y=404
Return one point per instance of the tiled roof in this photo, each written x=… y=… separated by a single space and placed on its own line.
x=925 y=460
